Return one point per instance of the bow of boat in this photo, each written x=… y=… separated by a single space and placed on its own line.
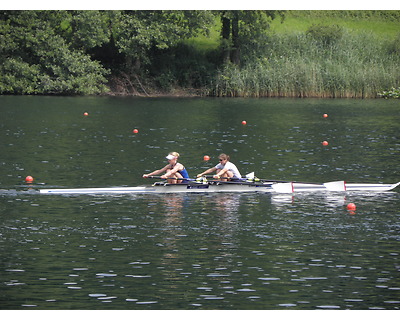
x=115 y=190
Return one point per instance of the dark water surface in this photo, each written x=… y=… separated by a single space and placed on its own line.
x=197 y=251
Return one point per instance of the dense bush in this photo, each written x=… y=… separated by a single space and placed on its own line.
x=37 y=60
x=57 y=52
x=325 y=34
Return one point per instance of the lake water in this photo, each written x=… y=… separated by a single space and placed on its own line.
x=197 y=251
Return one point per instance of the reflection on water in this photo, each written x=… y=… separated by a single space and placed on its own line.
x=207 y=251
x=197 y=251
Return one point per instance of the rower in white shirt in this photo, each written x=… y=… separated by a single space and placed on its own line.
x=226 y=170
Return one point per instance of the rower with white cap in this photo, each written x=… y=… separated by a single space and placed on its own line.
x=175 y=171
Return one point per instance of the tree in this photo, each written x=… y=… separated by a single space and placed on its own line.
x=54 y=52
x=36 y=59
x=242 y=29
x=139 y=32
x=83 y=29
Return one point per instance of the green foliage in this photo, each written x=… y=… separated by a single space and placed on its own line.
x=68 y=52
x=391 y=15
x=394 y=46
x=393 y=93
x=325 y=34
x=138 y=32
x=384 y=24
x=36 y=60
x=183 y=66
x=52 y=52
x=85 y=29
x=242 y=31
x=357 y=65
x=18 y=77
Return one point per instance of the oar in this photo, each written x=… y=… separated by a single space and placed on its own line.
x=199 y=180
x=202 y=179
x=210 y=177
x=254 y=179
x=269 y=180
x=159 y=177
x=249 y=176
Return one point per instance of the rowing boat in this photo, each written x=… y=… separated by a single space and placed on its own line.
x=191 y=187
x=228 y=186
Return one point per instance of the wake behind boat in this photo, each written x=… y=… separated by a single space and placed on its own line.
x=230 y=186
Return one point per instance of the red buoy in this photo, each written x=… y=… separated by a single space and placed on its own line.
x=85 y=114
x=325 y=115
x=135 y=131
x=325 y=143
x=206 y=158
x=29 y=179
x=351 y=207
x=244 y=122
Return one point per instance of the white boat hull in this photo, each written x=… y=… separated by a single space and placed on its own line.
x=289 y=187
x=167 y=188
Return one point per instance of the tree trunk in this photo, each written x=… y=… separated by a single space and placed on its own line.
x=235 y=54
x=225 y=33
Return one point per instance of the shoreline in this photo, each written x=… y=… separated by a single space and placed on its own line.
x=202 y=93
x=177 y=92
x=190 y=94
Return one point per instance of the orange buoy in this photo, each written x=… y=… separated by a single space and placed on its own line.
x=325 y=143
x=325 y=115
x=351 y=207
x=29 y=179
x=206 y=158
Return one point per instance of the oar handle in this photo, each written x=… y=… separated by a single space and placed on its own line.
x=243 y=178
x=159 y=177
x=225 y=178
x=268 y=180
x=276 y=181
x=212 y=176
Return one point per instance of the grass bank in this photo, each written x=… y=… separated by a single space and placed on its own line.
x=358 y=65
x=384 y=24
x=362 y=59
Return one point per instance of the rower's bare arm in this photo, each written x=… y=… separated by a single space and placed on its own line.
x=170 y=173
x=156 y=172
x=206 y=172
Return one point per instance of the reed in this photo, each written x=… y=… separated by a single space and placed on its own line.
x=358 y=65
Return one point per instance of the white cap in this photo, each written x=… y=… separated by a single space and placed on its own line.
x=170 y=157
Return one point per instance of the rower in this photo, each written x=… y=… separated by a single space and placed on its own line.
x=225 y=169
x=175 y=171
